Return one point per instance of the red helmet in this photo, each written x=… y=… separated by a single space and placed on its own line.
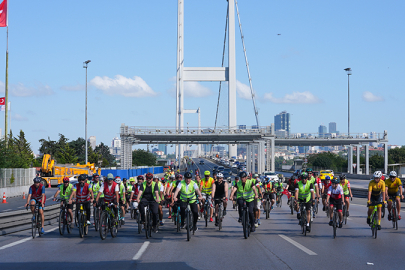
x=66 y=180
x=140 y=177
x=149 y=176
x=162 y=178
x=179 y=176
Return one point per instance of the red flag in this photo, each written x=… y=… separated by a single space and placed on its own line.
x=2 y=101
x=285 y=192
x=3 y=14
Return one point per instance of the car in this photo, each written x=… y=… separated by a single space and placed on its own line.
x=221 y=169
x=235 y=166
x=227 y=170
x=215 y=169
x=227 y=176
x=324 y=173
x=201 y=162
x=272 y=175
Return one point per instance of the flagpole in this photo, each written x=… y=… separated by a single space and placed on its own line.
x=6 y=95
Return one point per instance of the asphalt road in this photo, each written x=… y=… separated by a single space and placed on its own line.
x=276 y=244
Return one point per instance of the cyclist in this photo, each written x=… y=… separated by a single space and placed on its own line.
x=162 y=199
x=325 y=187
x=96 y=187
x=304 y=194
x=335 y=197
x=219 y=192
x=268 y=192
x=175 y=184
x=36 y=194
x=149 y=195
x=291 y=186
x=187 y=190
x=135 y=192
x=234 y=183
x=376 y=195
x=347 y=191
x=245 y=189
x=122 y=199
x=393 y=187
x=84 y=194
x=65 y=190
x=258 y=201
x=168 y=195
x=129 y=185
x=206 y=190
x=110 y=189
x=278 y=186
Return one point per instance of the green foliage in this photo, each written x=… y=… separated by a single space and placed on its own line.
x=396 y=155
x=377 y=162
x=141 y=157
x=327 y=160
x=67 y=155
x=17 y=154
x=12 y=179
x=103 y=150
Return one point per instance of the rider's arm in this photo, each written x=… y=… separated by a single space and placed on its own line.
x=198 y=192
x=92 y=194
x=56 y=194
x=157 y=196
x=176 y=192
x=130 y=197
x=232 y=192
x=296 y=194
x=226 y=188
x=255 y=191
x=214 y=188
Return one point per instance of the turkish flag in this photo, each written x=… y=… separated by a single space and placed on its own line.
x=2 y=101
x=3 y=13
x=285 y=192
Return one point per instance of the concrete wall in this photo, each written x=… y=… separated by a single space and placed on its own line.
x=14 y=191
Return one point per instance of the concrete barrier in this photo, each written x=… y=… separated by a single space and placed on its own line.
x=14 y=191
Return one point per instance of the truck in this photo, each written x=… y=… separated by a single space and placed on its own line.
x=53 y=174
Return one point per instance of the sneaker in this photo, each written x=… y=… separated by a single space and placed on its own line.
x=298 y=216
x=378 y=227
x=199 y=218
x=195 y=228
x=323 y=208
x=308 y=228
x=253 y=229
x=389 y=217
x=272 y=207
x=340 y=224
x=122 y=222
x=182 y=226
x=347 y=213
x=239 y=220
x=258 y=221
x=224 y=212
x=88 y=222
x=33 y=218
x=331 y=223
x=368 y=220
x=154 y=229
x=169 y=217
x=211 y=220
x=161 y=223
x=299 y=222
x=399 y=217
x=42 y=230
x=256 y=225
x=216 y=223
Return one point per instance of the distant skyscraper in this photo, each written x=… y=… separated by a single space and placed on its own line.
x=163 y=148
x=92 y=142
x=332 y=127
x=322 y=130
x=282 y=121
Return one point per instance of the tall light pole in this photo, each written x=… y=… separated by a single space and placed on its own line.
x=85 y=133
x=349 y=72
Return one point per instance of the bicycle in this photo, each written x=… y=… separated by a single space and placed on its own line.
x=292 y=202
x=220 y=213
x=189 y=220
x=97 y=216
x=393 y=212
x=279 y=201
x=64 y=217
x=207 y=209
x=245 y=219
x=82 y=220
x=374 y=220
x=108 y=222
x=148 y=220
x=334 y=220
x=266 y=206
x=36 y=222
x=303 y=220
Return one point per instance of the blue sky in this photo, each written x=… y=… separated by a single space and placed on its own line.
x=132 y=48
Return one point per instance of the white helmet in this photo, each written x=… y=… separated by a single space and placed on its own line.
x=393 y=173
x=118 y=180
x=220 y=175
x=377 y=174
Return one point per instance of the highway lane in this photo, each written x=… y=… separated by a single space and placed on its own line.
x=273 y=245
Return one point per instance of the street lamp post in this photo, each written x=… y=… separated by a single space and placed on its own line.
x=349 y=72
x=85 y=133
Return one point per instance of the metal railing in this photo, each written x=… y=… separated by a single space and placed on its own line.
x=16 y=177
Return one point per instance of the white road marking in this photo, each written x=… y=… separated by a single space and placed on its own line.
x=23 y=240
x=7 y=210
x=141 y=251
x=298 y=245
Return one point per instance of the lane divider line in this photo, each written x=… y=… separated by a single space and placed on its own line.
x=298 y=245
x=23 y=240
x=141 y=250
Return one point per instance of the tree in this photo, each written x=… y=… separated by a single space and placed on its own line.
x=104 y=151
x=79 y=146
x=141 y=157
x=17 y=153
x=67 y=155
x=377 y=162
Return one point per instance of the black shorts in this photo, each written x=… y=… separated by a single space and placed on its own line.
x=346 y=196
x=121 y=202
x=308 y=205
x=272 y=196
x=70 y=206
x=336 y=202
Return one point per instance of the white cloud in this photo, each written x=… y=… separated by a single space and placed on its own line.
x=195 y=89
x=18 y=117
x=370 y=97
x=243 y=90
x=20 y=90
x=294 y=98
x=77 y=87
x=120 y=85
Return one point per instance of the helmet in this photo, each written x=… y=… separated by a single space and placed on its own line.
x=124 y=179
x=255 y=175
x=96 y=175
x=149 y=175
x=117 y=180
x=242 y=174
x=171 y=177
x=207 y=173
x=308 y=170
x=327 y=177
x=140 y=177
x=179 y=176
x=66 y=180
x=110 y=176
x=163 y=179
x=82 y=177
x=131 y=179
x=342 y=177
x=188 y=175
x=220 y=175
x=377 y=174
x=37 y=180
x=335 y=181
x=393 y=174
x=304 y=175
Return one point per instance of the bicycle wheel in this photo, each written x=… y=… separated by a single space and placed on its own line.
x=188 y=224
x=39 y=225
x=394 y=216
x=103 y=225
x=62 y=222
x=375 y=225
x=383 y=210
x=177 y=221
x=122 y=215
x=280 y=201
x=292 y=205
x=150 y=224
x=80 y=220
x=248 y=227
x=113 y=228
x=316 y=206
x=244 y=225
x=34 y=227
x=139 y=223
x=68 y=222
x=86 y=226
x=327 y=212
x=206 y=215
x=334 y=224
x=220 y=218
x=96 y=216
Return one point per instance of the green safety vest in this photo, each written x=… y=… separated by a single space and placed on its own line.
x=129 y=187
x=68 y=191
x=247 y=192
x=122 y=191
x=345 y=188
x=304 y=194
x=153 y=189
x=96 y=189
x=190 y=194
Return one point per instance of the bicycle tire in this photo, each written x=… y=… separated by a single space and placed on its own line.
x=61 y=222
x=68 y=222
x=122 y=215
x=113 y=228
x=206 y=214
x=292 y=205
x=81 y=225
x=34 y=228
x=39 y=225
x=375 y=225
x=316 y=207
x=86 y=227
x=96 y=216
x=188 y=225
x=281 y=201
x=394 y=216
x=244 y=225
x=248 y=223
x=383 y=210
x=147 y=221
x=334 y=225
x=178 y=223
x=103 y=225
x=138 y=220
x=220 y=218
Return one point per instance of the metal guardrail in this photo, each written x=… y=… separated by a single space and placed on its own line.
x=14 y=221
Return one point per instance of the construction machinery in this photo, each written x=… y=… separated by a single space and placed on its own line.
x=53 y=174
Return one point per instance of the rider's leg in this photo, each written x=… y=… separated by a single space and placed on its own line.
x=389 y=203
x=41 y=212
x=347 y=201
x=160 y=212
x=379 y=214
x=398 y=205
x=32 y=205
x=194 y=210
